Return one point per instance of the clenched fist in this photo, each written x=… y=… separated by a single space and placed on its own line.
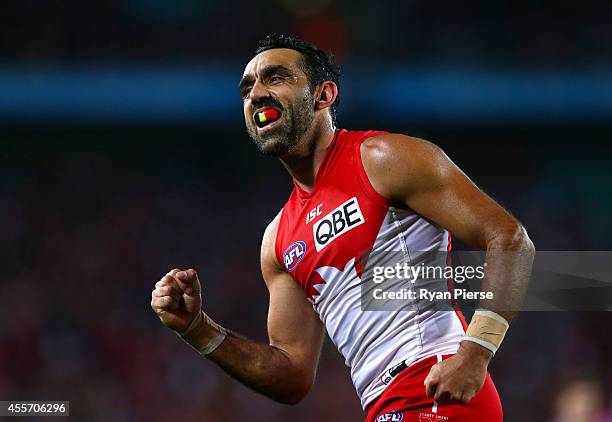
x=177 y=299
x=459 y=378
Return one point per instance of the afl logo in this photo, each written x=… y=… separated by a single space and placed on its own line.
x=391 y=417
x=294 y=254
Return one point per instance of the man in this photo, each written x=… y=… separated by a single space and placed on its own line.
x=357 y=193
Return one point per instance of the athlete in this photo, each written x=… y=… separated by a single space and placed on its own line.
x=357 y=193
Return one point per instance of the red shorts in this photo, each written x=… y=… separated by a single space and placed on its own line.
x=405 y=400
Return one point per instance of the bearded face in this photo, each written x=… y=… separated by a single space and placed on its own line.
x=278 y=101
x=279 y=136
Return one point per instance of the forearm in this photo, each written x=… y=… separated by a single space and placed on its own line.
x=261 y=367
x=508 y=263
x=509 y=259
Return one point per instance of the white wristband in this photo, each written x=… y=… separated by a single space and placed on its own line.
x=487 y=345
x=194 y=323
x=487 y=329
x=214 y=343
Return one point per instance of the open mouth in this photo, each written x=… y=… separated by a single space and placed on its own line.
x=266 y=116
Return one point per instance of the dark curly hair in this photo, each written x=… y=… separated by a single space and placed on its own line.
x=318 y=65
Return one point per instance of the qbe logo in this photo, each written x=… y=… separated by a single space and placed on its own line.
x=390 y=417
x=341 y=220
x=294 y=254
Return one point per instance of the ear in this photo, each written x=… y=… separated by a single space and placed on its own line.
x=325 y=95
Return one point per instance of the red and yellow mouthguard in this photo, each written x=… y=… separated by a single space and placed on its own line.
x=267 y=116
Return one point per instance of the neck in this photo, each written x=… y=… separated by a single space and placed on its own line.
x=303 y=163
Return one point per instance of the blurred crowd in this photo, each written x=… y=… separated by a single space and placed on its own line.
x=93 y=217
x=475 y=32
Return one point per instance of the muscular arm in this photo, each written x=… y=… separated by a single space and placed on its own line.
x=284 y=369
x=417 y=174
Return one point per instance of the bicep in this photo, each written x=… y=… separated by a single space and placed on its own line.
x=422 y=177
x=293 y=325
x=454 y=202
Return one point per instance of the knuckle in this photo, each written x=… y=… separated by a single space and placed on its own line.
x=456 y=396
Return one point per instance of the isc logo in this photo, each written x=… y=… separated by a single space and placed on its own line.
x=344 y=218
x=314 y=213
x=294 y=254
x=390 y=417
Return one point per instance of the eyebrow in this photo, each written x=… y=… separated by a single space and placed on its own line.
x=265 y=72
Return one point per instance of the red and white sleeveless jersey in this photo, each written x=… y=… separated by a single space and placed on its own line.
x=321 y=239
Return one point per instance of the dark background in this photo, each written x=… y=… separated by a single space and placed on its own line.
x=124 y=155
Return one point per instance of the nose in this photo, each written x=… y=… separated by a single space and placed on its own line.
x=258 y=90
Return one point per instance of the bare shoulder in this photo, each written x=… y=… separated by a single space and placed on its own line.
x=396 y=163
x=394 y=147
x=269 y=262
x=269 y=237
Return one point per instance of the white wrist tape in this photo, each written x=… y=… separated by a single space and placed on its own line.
x=214 y=343
x=194 y=323
x=487 y=329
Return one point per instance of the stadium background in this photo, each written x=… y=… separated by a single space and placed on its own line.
x=124 y=155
